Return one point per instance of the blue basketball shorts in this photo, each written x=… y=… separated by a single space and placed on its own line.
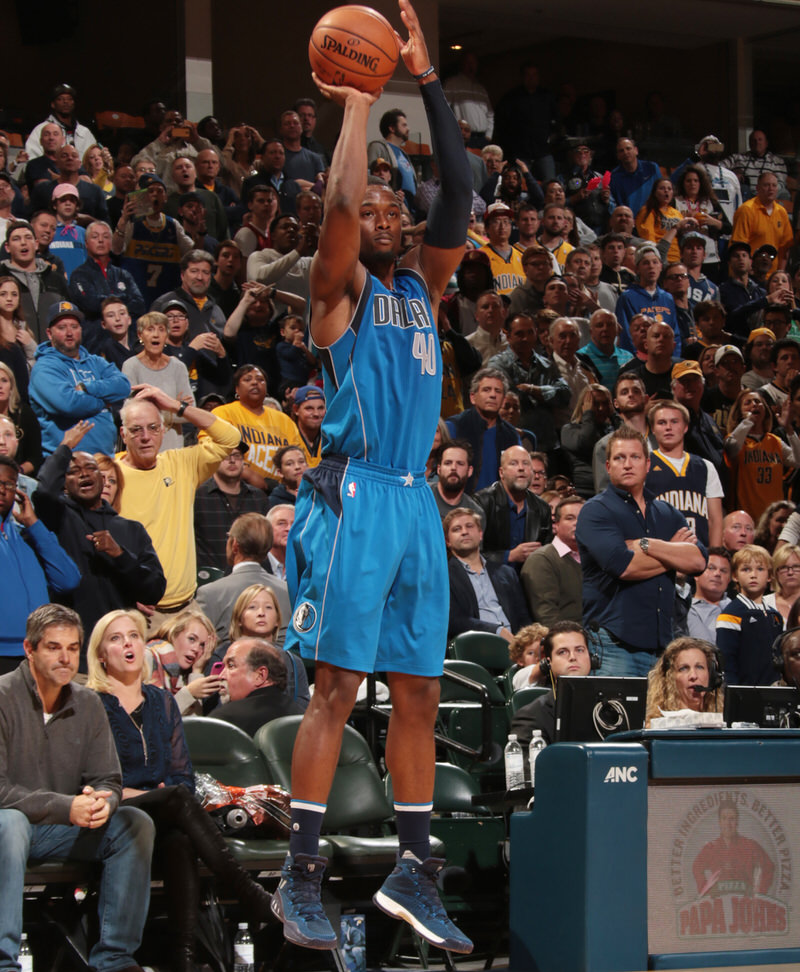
x=367 y=570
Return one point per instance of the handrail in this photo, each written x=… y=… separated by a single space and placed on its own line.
x=482 y=755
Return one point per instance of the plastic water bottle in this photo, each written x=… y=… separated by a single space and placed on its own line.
x=25 y=955
x=537 y=744
x=515 y=765
x=244 y=959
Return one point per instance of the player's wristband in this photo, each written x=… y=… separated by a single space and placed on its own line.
x=425 y=74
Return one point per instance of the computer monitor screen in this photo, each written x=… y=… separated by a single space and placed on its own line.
x=769 y=706
x=589 y=708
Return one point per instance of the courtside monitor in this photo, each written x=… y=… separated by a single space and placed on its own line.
x=590 y=708
x=768 y=706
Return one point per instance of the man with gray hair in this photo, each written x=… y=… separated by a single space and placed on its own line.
x=257 y=683
x=601 y=352
x=481 y=426
x=160 y=486
x=565 y=337
x=534 y=378
x=98 y=278
x=248 y=546
x=197 y=267
x=281 y=518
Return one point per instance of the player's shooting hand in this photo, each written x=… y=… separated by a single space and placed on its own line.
x=341 y=94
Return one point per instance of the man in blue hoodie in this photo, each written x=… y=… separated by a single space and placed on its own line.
x=69 y=384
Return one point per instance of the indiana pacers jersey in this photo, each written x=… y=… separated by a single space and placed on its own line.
x=153 y=258
x=684 y=487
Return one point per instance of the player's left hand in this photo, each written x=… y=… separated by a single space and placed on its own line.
x=414 y=51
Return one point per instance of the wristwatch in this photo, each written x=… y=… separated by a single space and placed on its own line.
x=181 y=409
x=644 y=544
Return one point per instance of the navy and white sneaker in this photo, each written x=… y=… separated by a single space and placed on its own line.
x=297 y=902
x=410 y=893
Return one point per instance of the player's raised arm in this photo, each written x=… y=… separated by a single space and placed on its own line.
x=448 y=218
x=336 y=275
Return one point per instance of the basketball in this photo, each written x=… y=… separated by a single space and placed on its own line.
x=354 y=46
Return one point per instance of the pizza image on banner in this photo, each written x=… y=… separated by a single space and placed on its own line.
x=720 y=868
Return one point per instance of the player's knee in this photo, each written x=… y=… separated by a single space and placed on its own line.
x=413 y=695
x=336 y=689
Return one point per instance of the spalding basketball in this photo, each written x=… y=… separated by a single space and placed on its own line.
x=354 y=46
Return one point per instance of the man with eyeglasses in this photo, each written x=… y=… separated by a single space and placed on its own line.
x=160 y=486
x=538 y=472
x=205 y=356
x=676 y=283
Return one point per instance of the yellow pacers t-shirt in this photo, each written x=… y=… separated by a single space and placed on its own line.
x=264 y=434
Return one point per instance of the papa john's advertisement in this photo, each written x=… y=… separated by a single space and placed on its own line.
x=721 y=868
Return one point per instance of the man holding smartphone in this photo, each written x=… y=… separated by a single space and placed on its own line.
x=255 y=674
x=30 y=560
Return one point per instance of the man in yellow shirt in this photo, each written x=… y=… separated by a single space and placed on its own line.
x=763 y=221
x=159 y=487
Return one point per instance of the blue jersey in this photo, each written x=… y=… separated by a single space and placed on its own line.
x=69 y=245
x=383 y=377
x=153 y=259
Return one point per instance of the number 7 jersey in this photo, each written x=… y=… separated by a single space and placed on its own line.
x=383 y=377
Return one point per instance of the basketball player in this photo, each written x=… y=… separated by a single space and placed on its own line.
x=366 y=564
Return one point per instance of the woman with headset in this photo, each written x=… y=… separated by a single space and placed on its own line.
x=687 y=676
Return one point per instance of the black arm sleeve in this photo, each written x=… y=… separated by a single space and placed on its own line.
x=448 y=217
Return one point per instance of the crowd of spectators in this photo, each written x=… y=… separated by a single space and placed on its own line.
x=154 y=308
x=620 y=402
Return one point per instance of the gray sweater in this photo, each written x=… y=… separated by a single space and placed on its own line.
x=43 y=767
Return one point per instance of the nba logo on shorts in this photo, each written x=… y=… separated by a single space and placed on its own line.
x=351 y=489
x=304 y=617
